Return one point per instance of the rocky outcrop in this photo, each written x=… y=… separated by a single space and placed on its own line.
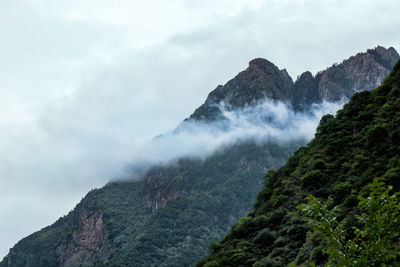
x=259 y=81
x=87 y=243
x=364 y=71
x=305 y=91
x=158 y=190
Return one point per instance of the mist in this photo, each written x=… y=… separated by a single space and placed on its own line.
x=267 y=121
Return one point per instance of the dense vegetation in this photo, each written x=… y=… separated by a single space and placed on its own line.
x=362 y=142
x=210 y=199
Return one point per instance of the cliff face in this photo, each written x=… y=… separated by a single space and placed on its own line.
x=169 y=217
x=79 y=237
x=158 y=190
x=364 y=71
x=89 y=241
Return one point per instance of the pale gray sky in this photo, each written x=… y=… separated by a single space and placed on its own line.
x=82 y=82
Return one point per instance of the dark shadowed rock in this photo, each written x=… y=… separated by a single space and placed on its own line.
x=305 y=91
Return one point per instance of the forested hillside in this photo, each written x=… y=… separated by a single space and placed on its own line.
x=349 y=150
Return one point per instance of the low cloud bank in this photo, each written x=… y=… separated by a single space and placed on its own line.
x=267 y=121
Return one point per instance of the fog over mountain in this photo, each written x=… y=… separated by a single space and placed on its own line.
x=269 y=120
x=85 y=86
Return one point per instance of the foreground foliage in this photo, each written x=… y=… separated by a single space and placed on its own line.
x=372 y=241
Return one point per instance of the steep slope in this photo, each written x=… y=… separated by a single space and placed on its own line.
x=362 y=142
x=170 y=215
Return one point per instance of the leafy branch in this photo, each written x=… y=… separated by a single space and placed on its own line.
x=375 y=239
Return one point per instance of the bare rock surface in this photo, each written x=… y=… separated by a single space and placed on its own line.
x=87 y=242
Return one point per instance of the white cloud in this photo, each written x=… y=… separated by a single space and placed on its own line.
x=266 y=121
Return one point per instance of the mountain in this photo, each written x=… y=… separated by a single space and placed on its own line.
x=349 y=150
x=170 y=215
x=262 y=80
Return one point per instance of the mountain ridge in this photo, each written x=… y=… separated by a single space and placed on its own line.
x=170 y=216
x=262 y=79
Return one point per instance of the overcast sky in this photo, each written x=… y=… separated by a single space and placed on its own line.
x=82 y=82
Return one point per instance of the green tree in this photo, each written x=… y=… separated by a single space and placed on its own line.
x=374 y=241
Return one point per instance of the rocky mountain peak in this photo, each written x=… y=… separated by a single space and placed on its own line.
x=305 y=91
x=386 y=57
x=262 y=64
x=364 y=71
x=261 y=80
x=266 y=67
x=305 y=76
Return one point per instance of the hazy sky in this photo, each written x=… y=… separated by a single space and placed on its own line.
x=83 y=82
